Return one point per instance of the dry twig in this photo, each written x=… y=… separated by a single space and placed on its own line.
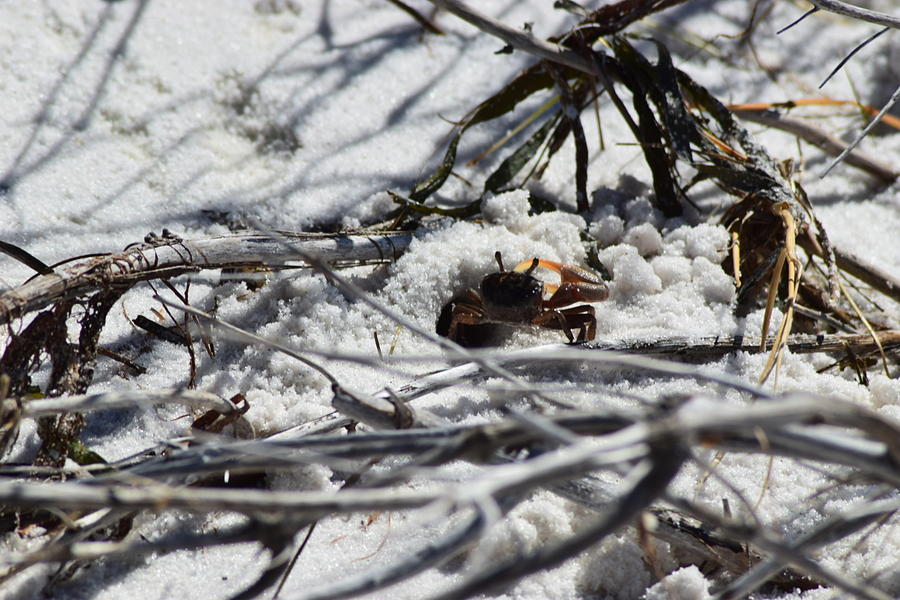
x=163 y=258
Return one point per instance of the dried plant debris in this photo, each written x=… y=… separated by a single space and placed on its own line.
x=558 y=452
x=680 y=126
x=564 y=451
x=674 y=119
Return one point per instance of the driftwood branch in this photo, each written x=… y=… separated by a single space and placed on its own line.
x=714 y=346
x=163 y=258
x=158 y=497
x=635 y=355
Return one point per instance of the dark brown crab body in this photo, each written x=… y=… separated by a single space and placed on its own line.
x=517 y=298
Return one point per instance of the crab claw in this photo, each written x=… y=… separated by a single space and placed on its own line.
x=576 y=283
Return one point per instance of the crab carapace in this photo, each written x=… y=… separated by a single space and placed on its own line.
x=518 y=298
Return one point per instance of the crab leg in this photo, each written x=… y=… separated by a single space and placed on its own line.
x=576 y=284
x=579 y=317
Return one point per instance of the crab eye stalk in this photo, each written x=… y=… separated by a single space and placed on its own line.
x=499 y=260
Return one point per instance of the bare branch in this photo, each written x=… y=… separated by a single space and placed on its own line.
x=107 y=400
x=157 y=497
x=521 y=40
x=653 y=475
x=855 y=12
x=166 y=257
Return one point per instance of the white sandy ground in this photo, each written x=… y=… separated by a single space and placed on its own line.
x=121 y=118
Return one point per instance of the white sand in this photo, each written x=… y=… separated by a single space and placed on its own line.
x=120 y=118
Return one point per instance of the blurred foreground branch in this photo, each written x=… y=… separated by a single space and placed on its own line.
x=517 y=456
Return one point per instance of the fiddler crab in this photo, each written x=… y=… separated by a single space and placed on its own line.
x=518 y=298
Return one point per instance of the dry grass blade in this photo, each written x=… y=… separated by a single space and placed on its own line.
x=788 y=255
x=879 y=279
x=865 y=321
x=889 y=120
x=503 y=175
x=736 y=258
x=25 y=257
x=541 y=110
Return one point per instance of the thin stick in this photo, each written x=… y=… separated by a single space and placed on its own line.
x=104 y=401
x=893 y=99
x=855 y=12
x=521 y=40
x=421 y=20
x=156 y=497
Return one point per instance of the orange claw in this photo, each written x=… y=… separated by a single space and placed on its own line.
x=576 y=284
x=550 y=288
